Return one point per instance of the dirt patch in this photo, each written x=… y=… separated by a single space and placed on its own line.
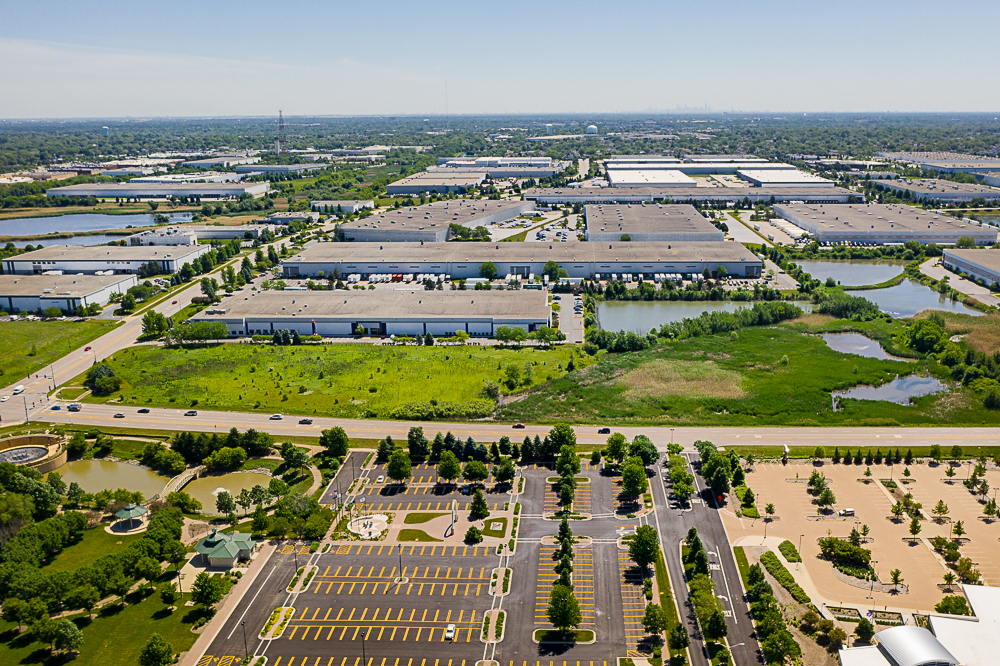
x=814 y=319
x=695 y=379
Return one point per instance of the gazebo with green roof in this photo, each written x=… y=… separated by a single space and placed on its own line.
x=220 y=550
x=131 y=512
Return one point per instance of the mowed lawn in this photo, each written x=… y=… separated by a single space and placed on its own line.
x=716 y=380
x=28 y=346
x=113 y=638
x=347 y=380
x=93 y=543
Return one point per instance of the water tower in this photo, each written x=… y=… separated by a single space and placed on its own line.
x=106 y=130
x=591 y=129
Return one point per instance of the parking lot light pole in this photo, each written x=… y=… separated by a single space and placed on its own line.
x=800 y=552
x=364 y=658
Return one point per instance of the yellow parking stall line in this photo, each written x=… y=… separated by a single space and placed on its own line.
x=351 y=616
x=408 y=505
x=412 y=612
x=351 y=591
x=337 y=572
x=372 y=570
x=362 y=618
x=421 y=590
x=329 y=634
x=341 y=637
x=363 y=588
x=328 y=586
x=315 y=613
x=356 y=630
x=393 y=634
x=454 y=549
x=327 y=616
x=408 y=588
x=326 y=572
x=386 y=590
x=291 y=635
x=467 y=589
x=380 y=633
x=454 y=590
x=349 y=569
x=406 y=633
x=430 y=638
x=338 y=615
x=437 y=572
x=419 y=629
x=465 y=551
x=431 y=593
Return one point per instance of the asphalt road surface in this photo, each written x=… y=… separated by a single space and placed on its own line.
x=174 y=419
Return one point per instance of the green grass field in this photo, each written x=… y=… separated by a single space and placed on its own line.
x=500 y=533
x=415 y=535
x=347 y=380
x=113 y=638
x=94 y=543
x=28 y=346
x=419 y=518
x=715 y=380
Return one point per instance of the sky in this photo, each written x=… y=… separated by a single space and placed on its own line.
x=110 y=59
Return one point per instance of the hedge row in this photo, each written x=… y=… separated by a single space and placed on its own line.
x=787 y=549
x=781 y=574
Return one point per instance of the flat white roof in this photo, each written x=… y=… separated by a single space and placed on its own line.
x=975 y=641
x=651 y=177
x=783 y=177
x=868 y=655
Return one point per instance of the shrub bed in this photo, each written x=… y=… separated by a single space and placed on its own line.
x=784 y=578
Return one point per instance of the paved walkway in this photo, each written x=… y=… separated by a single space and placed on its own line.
x=932 y=268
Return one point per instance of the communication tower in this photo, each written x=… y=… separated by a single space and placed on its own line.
x=279 y=145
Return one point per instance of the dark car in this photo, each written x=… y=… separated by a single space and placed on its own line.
x=144 y=410
x=56 y=408
x=305 y=421
x=604 y=431
x=518 y=426
x=191 y=412
x=119 y=415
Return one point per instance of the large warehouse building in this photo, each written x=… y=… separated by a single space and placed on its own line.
x=380 y=312
x=782 y=178
x=579 y=260
x=932 y=189
x=978 y=264
x=202 y=191
x=440 y=181
x=649 y=178
x=191 y=234
x=430 y=223
x=505 y=167
x=101 y=258
x=706 y=195
x=879 y=224
x=655 y=222
x=39 y=292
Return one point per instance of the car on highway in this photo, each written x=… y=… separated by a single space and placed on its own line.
x=305 y=421
x=449 y=633
x=56 y=408
x=75 y=407
x=604 y=431
x=119 y=415
x=5 y=398
x=173 y=302
x=275 y=417
x=518 y=426
x=191 y=412
x=87 y=348
x=144 y=410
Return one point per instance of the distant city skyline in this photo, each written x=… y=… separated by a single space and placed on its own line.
x=115 y=60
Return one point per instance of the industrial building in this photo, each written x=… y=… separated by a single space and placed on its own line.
x=932 y=189
x=949 y=640
x=430 y=223
x=222 y=161
x=782 y=178
x=579 y=260
x=879 y=224
x=203 y=177
x=380 y=312
x=284 y=217
x=649 y=178
x=699 y=168
x=978 y=264
x=439 y=181
x=203 y=191
x=281 y=169
x=28 y=293
x=745 y=159
x=503 y=167
x=656 y=222
x=338 y=206
x=706 y=195
x=92 y=259
x=192 y=234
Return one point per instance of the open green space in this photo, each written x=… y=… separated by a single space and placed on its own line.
x=28 y=346
x=500 y=533
x=774 y=375
x=94 y=543
x=419 y=518
x=71 y=393
x=347 y=380
x=114 y=637
x=415 y=535
x=556 y=636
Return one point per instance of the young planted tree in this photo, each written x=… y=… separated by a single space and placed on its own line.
x=478 y=508
x=399 y=468
x=643 y=547
x=896 y=576
x=940 y=510
x=826 y=499
x=654 y=621
x=915 y=527
x=449 y=468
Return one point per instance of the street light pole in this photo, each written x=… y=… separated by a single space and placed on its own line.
x=364 y=658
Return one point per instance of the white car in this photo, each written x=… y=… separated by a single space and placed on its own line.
x=380 y=478
x=5 y=398
x=449 y=633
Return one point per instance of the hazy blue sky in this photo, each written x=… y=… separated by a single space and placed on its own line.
x=182 y=58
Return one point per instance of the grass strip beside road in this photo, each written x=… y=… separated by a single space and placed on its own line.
x=666 y=599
